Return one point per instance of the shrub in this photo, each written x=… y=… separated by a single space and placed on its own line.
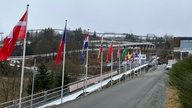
x=180 y=77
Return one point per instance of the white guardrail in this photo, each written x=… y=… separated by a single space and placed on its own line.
x=72 y=90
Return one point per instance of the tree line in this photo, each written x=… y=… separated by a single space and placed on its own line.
x=49 y=74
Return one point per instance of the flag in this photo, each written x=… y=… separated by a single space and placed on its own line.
x=118 y=53
x=110 y=50
x=123 y=54
x=85 y=45
x=18 y=32
x=100 y=50
x=133 y=56
x=128 y=56
x=136 y=53
x=61 y=45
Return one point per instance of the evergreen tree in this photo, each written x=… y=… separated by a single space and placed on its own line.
x=43 y=80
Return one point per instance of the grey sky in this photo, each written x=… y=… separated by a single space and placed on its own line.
x=128 y=16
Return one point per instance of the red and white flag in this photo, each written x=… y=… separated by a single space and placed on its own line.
x=110 y=50
x=18 y=32
x=118 y=53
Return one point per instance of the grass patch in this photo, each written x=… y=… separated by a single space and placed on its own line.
x=180 y=78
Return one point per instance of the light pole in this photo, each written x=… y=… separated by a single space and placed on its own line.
x=34 y=73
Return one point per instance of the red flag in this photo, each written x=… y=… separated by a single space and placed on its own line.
x=60 y=47
x=18 y=32
x=118 y=53
x=110 y=50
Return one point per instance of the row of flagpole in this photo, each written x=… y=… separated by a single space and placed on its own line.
x=110 y=52
x=100 y=58
x=85 y=45
x=6 y=51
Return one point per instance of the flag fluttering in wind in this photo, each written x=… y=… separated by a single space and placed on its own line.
x=100 y=50
x=18 y=32
x=110 y=50
x=133 y=56
x=124 y=54
x=85 y=45
x=61 y=45
x=128 y=56
x=118 y=53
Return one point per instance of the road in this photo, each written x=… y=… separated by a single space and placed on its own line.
x=127 y=94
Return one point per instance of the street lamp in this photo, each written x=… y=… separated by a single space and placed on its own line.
x=34 y=73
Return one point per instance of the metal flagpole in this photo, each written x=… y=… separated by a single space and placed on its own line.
x=145 y=63
x=101 y=77
x=111 y=66
x=119 y=66
x=23 y=62
x=63 y=70
x=84 y=74
x=130 y=67
x=134 y=62
x=86 y=66
x=131 y=61
x=140 y=59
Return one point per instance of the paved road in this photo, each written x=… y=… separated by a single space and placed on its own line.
x=127 y=94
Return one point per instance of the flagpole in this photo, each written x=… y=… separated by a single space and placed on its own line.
x=86 y=66
x=140 y=59
x=133 y=62
x=23 y=62
x=111 y=66
x=101 y=77
x=119 y=66
x=84 y=74
x=130 y=63
x=63 y=69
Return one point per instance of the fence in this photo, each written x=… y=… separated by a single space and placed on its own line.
x=53 y=94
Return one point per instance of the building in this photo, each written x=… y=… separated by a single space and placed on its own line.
x=182 y=47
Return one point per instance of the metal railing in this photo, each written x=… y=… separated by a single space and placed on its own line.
x=55 y=93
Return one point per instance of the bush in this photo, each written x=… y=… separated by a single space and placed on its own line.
x=180 y=77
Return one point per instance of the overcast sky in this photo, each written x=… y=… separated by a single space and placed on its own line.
x=139 y=17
